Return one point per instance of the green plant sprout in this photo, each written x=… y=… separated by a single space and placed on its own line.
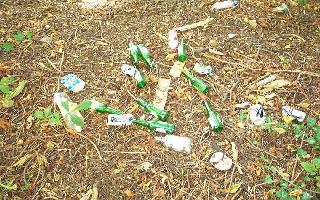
x=8 y=92
x=47 y=116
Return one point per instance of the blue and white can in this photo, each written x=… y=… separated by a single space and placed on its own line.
x=72 y=82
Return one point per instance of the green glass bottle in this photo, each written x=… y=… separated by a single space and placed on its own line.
x=102 y=108
x=196 y=83
x=159 y=126
x=160 y=114
x=182 y=52
x=146 y=56
x=214 y=118
x=141 y=81
x=134 y=53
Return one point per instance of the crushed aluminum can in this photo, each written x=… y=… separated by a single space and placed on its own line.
x=257 y=114
x=72 y=82
x=203 y=69
x=296 y=114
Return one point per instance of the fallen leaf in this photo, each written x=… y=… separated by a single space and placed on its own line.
x=277 y=84
x=234 y=188
x=216 y=52
x=129 y=193
x=4 y=124
x=242 y=105
x=29 y=121
x=170 y=56
x=95 y=193
x=241 y=125
x=22 y=160
x=203 y=23
x=304 y=104
x=51 y=144
x=263 y=22
x=280 y=130
x=287 y=118
x=261 y=100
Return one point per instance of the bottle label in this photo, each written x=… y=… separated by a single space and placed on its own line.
x=214 y=122
x=128 y=70
x=138 y=76
x=161 y=130
x=120 y=120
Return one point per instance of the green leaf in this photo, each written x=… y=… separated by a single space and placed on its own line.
x=19 y=36
x=316 y=162
x=283 y=194
x=84 y=105
x=17 y=90
x=308 y=167
x=285 y=126
x=306 y=196
x=8 y=186
x=318 y=179
x=303 y=2
x=243 y=116
x=7 y=102
x=301 y=153
x=268 y=119
x=307 y=179
x=38 y=114
x=47 y=112
x=268 y=180
x=311 y=122
x=55 y=119
x=298 y=130
x=311 y=140
x=29 y=35
x=7 y=47
x=65 y=105
x=316 y=130
x=4 y=89
x=77 y=120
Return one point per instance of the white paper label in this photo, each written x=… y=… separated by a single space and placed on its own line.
x=120 y=120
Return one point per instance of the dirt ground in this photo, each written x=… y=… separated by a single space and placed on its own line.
x=93 y=43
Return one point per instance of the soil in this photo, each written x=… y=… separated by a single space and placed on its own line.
x=93 y=43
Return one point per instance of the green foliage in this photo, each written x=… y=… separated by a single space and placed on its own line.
x=46 y=116
x=5 y=84
x=269 y=180
x=301 y=153
x=283 y=194
x=7 y=47
x=243 y=116
x=303 y=2
x=306 y=196
x=29 y=35
x=19 y=37
x=84 y=105
x=8 y=186
x=308 y=167
x=298 y=130
x=8 y=91
x=311 y=122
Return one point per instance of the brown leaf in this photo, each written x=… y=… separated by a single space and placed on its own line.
x=4 y=123
x=129 y=193
x=263 y=22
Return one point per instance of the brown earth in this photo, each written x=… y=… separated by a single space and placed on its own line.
x=93 y=44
